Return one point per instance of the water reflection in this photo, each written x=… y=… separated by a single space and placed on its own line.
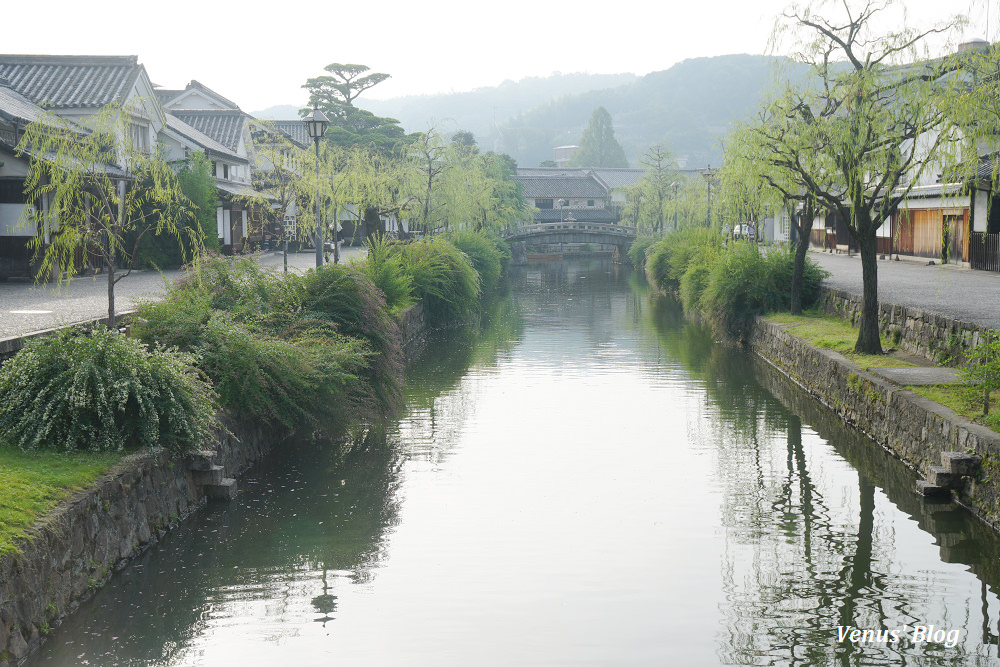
x=587 y=478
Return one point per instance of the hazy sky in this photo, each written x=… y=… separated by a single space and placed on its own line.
x=259 y=54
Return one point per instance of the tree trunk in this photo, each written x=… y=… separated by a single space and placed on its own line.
x=868 y=334
x=804 y=229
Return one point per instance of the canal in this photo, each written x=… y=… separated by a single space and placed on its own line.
x=585 y=479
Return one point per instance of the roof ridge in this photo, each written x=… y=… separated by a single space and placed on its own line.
x=42 y=59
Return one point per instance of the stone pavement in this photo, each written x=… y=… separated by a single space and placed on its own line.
x=26 y=307
x=949 y=290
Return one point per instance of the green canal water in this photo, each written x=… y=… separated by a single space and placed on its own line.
x=585 y=479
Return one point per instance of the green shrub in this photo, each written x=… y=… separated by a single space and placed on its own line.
x=484 y=254
x=637 y=251
x=102 y=391
x=667 y=260
x=983 y=369
x=346 y=297
x=443 y=278
x=745 y=281
x=384 y=266
x=280 y=348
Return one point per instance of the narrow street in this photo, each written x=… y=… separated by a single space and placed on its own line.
x=26 y=307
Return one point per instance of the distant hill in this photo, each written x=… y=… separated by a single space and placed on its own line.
x=278 y=112
x=688 y=107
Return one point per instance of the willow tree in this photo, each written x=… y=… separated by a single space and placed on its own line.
x=872 y=113
x=774 y=149
x=101 y=194
x=649 y=202
x=278 y=179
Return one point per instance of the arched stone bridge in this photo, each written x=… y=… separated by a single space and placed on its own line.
x=597 y=233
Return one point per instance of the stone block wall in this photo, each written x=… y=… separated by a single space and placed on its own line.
x=938 y=338
x=913 y=428
x=76 y=548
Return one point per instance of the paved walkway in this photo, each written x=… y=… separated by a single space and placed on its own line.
x=958 y=293
x=27 y=307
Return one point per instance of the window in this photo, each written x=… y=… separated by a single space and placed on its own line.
x=590 y=203
x=225 y=171
x=12 y=192
x=543 y=203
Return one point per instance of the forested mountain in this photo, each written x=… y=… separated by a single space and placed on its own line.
x=688 y=107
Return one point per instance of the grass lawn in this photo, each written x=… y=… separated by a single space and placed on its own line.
x=833 y=333
x=33 y=483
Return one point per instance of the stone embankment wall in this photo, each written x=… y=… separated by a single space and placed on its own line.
x=77 y=547
x=911 y=427
x=939 y=338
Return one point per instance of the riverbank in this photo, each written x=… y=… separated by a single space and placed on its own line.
x=76 y=548
x=914 y=429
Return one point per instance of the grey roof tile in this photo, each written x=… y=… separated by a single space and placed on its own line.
x=222 y=125
x=554 y=187
x=295 y=130
x=578 y=215
x=208 y=143
x=61 y=82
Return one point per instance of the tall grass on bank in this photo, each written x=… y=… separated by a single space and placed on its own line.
x=102 y=391
x=443 y=279
x=728 y=283
x=489 y=255
x=268 y=345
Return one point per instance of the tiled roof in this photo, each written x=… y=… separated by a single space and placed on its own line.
x=578 y=215
x=619 y=178
x=166 y=94
x=295 y=130
x=553 y=171
x=15 y=107
x=554 y=187
x=208 y=143
x=222 y=125
x=62 y=82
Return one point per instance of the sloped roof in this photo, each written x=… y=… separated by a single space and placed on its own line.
x=166 y=94
x=15 y=107
x=63 y=82
x=206 y=142
x=223 y=125
x=554 y=187
x=619 y=178
x=295 y=130
x=553 y=171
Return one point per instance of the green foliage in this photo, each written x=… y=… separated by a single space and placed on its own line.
x=267 y=355
x=196 y=183
x=729 y=283
x=983 y=369
x=640 y=246
x=490 y=256
x=346 y=298
x=443 y=278
x=102 y=391
x=92 y=209
x=384 y=266
x=667 y=260
x=598 y=146
x=746 y=281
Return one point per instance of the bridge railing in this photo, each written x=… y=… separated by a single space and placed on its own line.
x=549 y=227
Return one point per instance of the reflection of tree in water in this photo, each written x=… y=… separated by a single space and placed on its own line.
x=808 y=548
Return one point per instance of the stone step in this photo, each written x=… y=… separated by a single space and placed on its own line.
x=960 y=463
x=202 y=460
x=224 y=491
x=928 y=490
x=214 y=475
x=938 y=476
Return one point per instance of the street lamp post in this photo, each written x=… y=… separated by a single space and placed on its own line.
x=317 y=122
x=709 y=175
x=674 y=186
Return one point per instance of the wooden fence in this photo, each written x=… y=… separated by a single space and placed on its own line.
x=984 y=251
